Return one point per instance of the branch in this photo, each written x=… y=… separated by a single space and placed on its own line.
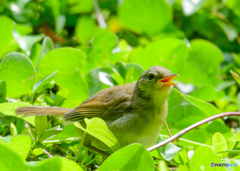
x=99 y=15
x=179 y=134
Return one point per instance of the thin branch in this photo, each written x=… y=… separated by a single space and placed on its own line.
x=46 y=152
x=179 y=134
x=99 y=15
x=168 y=130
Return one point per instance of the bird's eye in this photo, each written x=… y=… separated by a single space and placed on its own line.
x=150 y=76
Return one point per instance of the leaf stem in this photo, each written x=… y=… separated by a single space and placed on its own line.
x=179 y=134
x=80 y=145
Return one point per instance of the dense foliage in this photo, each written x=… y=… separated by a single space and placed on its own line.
x=59 y=53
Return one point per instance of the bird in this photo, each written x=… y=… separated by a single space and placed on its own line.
x=134 y=112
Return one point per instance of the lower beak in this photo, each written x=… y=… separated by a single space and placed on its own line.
x=167 y=81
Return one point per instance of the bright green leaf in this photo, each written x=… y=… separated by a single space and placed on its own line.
x=202 y=158
x=41 y=125
x=203 y=64
x=10 y=159
x=138 y=158
x=98 y=128
x=9 y=110
x=145 y=16
x=68 y=62
x=13 y=129
x=7 y=41
x=38 y=86
x=169 y=53
x=19 y=144
x=47 y=46
x=236 y=137
x=18 y=72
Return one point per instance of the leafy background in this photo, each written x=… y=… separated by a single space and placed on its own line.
x=59 y=53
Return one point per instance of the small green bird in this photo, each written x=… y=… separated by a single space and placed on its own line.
x=134 y=112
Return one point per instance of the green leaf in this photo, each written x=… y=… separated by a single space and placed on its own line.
x=80 y=6
x=138 y=70
x=219 y=143
x=19 y=144
x=235 y=137
x=37 y=151
x=182 y=157
x=9 y=110
x=142 y=16
x=3 y=91
x=162 y=166
x=69 y=132
x=13 y=129
x=68 y=62
x=235 y=76
x=190 y=6
x=202 y=158
x=85 y=29
x=138 y=158
x=207 y=93
x=7 y=41
x=56 y=163
x=41 y=125
x=26 y=42
x=61 y=96
x=189 y=110
x=48 y=133
x=60 y=23
x=10 y=159
x=18 y=72
x=38 y=86
x=202 y=66
x=172 y=55
x=104 y=42
x=47 y=46
x=98 y=129
x=168 y=151
x=184 y=110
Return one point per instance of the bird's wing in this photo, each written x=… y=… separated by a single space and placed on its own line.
x=108 y=103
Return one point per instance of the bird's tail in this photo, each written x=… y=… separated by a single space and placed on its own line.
x=37 y=111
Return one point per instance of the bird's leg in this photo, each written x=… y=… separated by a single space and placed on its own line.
x=97 y=150
x=168 y=130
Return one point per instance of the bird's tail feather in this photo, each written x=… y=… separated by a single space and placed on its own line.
x=38 y=111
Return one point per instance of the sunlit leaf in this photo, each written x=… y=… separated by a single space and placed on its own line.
x=145 y=16
x=18 y=72
x=138 y=158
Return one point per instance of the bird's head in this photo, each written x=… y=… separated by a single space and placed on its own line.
x=156 y=81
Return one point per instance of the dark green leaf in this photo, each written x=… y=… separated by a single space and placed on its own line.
x=3 y=91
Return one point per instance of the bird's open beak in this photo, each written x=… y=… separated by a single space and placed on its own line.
x=167 y=81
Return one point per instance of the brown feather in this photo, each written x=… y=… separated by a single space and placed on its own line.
x=38 y=110
x=108 y=103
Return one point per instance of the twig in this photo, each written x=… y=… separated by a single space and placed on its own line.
x=168 y=130
x=46 y=152
x=179 y=134
x=99 y=15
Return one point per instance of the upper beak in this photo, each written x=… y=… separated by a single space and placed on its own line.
x=167 y=81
